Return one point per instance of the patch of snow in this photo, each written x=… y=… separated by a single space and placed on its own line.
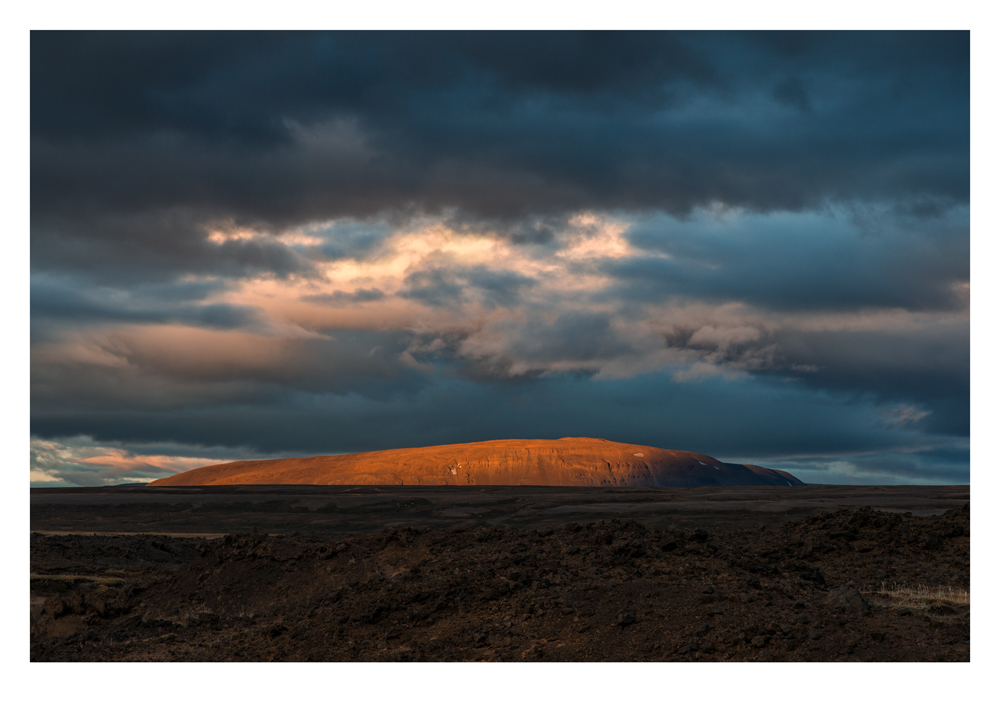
x=638 y=455
x=700 y=463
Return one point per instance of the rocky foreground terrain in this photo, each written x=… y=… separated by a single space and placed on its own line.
x=816 y=589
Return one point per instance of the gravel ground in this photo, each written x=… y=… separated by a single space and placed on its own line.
x=612 y=590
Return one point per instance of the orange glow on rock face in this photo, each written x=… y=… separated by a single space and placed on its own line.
x=582 y=462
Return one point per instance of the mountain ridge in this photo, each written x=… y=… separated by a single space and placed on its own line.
x=565 y=462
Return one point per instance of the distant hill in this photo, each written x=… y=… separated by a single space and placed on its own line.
x=569 y=462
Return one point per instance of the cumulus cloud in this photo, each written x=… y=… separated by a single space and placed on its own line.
x=289 y=129
x=266 y=241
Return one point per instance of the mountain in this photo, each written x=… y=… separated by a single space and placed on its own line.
x=577 y=462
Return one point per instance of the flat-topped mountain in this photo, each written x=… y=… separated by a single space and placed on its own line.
x=576 y=462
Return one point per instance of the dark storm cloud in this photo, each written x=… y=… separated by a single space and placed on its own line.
x=810 y=262
x=436 y=287
x=945 y=464
x=948 y=464
x=574 y=337
x=155 y=245
x=195 y=368
x=574 y=342
x=533 y=229
x=763 y=420
x=929 y=369
x=268 y=242
x=62 y=303
x=452 y=285
x=199 y=83
x=921 y=366
x=924 y=365
x=286 y=128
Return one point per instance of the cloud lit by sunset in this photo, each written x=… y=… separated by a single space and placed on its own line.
x=708 y=242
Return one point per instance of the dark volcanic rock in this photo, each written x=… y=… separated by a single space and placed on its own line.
x=851 y=599
x=507 y=594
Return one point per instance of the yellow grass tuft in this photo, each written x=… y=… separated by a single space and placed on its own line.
x=921 y=598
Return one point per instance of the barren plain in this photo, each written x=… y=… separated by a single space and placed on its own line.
x=500 y=573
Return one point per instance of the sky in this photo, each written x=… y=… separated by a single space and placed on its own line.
x=751 y=245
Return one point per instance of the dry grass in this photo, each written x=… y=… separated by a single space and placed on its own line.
x=99 y=579
x=920 y=598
